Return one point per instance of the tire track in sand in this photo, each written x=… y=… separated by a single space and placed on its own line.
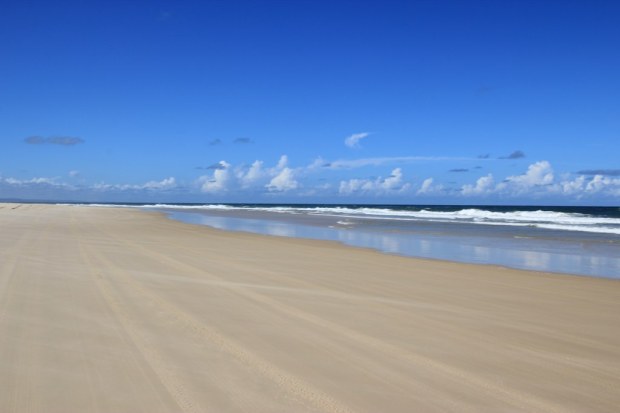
x=172 y=384
x=524 y=401
x=292 y=385
x=10 y=259
x=21 y=383
x=137 y=360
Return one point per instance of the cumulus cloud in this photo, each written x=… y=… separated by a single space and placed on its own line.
x=600 y=183
x=539 y=180
x=575 y=186
x=582 y=186
x=283 y=181
x=54 y=140
x=282 y=162
x=539 y=173
x=391 y=184
x=483 y=185
x=356 y=185
x=254 y=174
x=393 y=181
x=256 y=177
x=514 y=155
x=353 y=141
x=167 y=183
x=219 y=181
x=427 y=187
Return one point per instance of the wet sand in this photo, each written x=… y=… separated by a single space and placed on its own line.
x=118 y=310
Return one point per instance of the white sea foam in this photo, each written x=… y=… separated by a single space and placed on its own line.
x=204 y=206
x=601 y=230
x=542 y=219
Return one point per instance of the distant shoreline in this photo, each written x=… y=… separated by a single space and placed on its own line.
x=521 y=246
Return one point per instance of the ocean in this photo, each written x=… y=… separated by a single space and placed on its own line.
x=573 y=240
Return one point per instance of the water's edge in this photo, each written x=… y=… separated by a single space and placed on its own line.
x=464 y=245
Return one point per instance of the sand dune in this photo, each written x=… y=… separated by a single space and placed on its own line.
x=117 y=310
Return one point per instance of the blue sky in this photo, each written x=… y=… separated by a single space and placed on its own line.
x=457 y=102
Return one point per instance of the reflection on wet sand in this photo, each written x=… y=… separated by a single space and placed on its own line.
x=516 y=252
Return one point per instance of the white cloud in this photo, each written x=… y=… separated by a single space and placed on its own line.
x=318 y=163
x=393 y=183
x=353 y=141
x=539 y=173
x=219 y=181
x=427 y=187
x=255 y=177
x=41 y=181
x=13 y=181
x=570 y=187
x=538 y=178
x=167 y=183
x=164 y=184
x=283 y=181
x=539 y=181
x=282 y=162
x=483 y=185
x=583 y=186
x=600 y=183
x=254 y=174
x=354 y=185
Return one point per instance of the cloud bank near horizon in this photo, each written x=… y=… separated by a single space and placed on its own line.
x=538 y=182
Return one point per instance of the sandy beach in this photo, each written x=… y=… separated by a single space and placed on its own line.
x=119 y=310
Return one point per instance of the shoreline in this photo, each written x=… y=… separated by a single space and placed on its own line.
x=340 y=244
x=112 y=309
x=514 y=248
x=378 y=251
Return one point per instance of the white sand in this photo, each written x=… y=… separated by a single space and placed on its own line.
x=117 y=310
